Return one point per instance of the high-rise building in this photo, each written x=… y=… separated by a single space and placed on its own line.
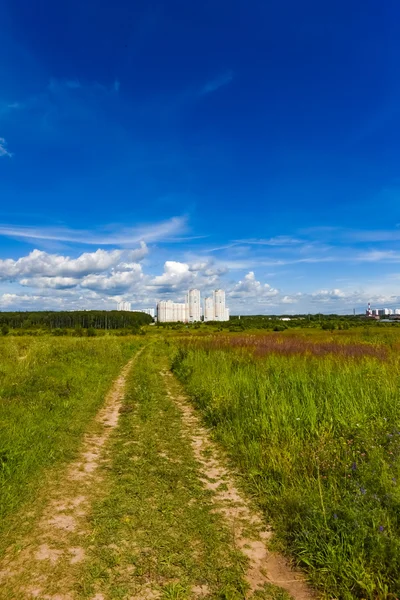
x=191 y=310
x=124 y=306
x=171 y=312
x=209 y=313
x=194 y=306
x=147 y=311
x=219 y=305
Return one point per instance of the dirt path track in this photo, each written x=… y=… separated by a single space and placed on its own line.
x=250 y=533
x=42 y=565
x=165 y=493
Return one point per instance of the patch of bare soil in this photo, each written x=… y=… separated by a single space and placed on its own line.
x=249 y=531
x=43 y=565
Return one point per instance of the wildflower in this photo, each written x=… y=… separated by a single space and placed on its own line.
x=363 y=490
x=335 y=516
x=381 y=528
x=353 y=466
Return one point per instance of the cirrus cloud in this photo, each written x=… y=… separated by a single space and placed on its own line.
x=3 y=148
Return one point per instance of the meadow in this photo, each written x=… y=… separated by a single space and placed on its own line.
x=312 y=425
x=50 y=388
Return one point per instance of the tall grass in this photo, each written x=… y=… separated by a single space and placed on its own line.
x=316 y=436
x=49 y=390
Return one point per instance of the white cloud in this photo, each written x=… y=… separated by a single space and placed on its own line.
x=290 y=299
x=98 y=279
x=3 y=148
x=116 y=283
x=176 y=274
x=279 y=240
x=327 y=295
x=179 y=276
x=123 y=236
x=250 y=287
x=42 y=264
x=56 y=283
x=379 y=256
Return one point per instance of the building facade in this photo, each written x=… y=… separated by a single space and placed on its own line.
x=209 y=313
x=171 y=312
x=124 y=306
x=215 y=308
x=191 y=310
x=193 y=301
x=147 y=311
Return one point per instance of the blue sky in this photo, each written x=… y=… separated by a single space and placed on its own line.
x=148 y=147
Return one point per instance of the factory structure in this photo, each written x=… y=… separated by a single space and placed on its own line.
x=191 y=311
x=377 y=313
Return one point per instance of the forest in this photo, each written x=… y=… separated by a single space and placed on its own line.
x=96 y=319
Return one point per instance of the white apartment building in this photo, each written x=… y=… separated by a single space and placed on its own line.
x=209 y=313
x=193 y=302
x=146 y=311
x=221 y=312
x=191 y=310
x=124 y=306
x=215 y=308
x=171 y=312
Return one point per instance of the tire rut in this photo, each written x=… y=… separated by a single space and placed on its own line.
x=249 y=531
x=42 y=565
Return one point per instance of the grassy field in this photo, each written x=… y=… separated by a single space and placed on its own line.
x=309 y=419
x=49 y=390
x=144 y=520
x=312 y=422
x=154 y=531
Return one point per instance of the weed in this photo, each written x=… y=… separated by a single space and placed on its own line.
x=313 y=426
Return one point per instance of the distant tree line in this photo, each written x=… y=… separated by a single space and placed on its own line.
x=90 y=319
x=275 y=323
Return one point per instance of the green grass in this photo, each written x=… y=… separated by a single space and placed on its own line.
x=49 y=390
x=155 y=529
x=317 y=441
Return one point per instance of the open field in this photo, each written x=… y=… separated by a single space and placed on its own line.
x=49 y=390
x=115 y=491
x=119 y=494
x=312 y=422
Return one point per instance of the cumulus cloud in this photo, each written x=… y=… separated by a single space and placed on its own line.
x=99 y=279
x=54 y=283
x=43 y=264
x=3 y=148
x=327 y=295
x=116 y=283
x=249 y=286
x=176 y=274
x=179 y=276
